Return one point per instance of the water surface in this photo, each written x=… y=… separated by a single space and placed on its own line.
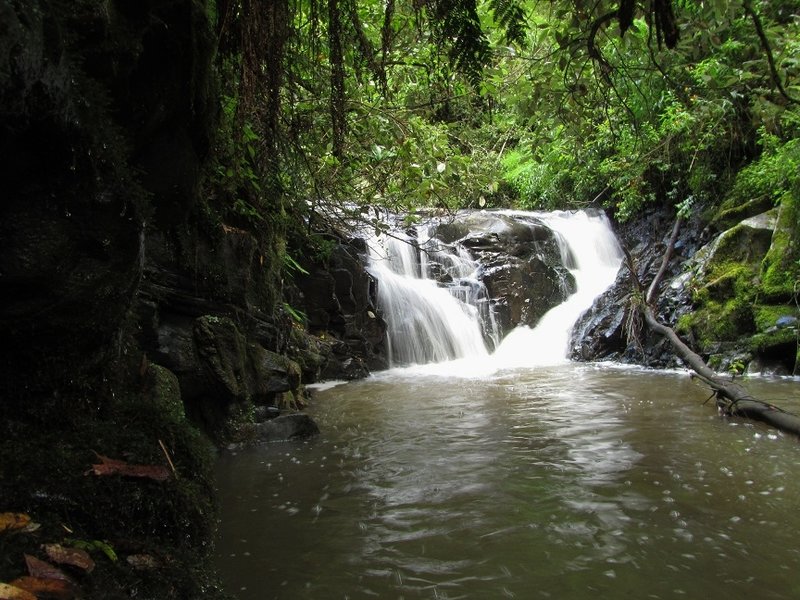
x=571 y=481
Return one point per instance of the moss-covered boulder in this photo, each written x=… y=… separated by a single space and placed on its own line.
x=780 y=269
x=230 y=374
x=742 y=285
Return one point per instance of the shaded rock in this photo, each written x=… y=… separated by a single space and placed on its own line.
x=345 y=327
x=164 y=390
x=284 y=428
x=222 y=373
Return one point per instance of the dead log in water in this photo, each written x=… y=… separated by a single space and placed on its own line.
x=732 y=398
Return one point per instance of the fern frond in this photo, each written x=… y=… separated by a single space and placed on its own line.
x=459 y=28
x=510 y=16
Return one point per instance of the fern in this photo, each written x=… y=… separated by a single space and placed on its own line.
x=510 y=16
x=458 y=25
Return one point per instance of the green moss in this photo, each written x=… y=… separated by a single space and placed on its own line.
x=726 y=280
x=733 y=211
x=763 y=342
x=780 y=269
x=742 y=244
x=766 y=316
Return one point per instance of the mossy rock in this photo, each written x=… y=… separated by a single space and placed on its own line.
x=725 y=281
x=718 y=322
x=733 y=211
x=775 y=316
x=780 y=269
x=746 y=242
x=164 y=390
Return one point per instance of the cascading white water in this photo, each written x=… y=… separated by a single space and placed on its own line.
x=594 y=256
x=428 y=323
x=425 y=322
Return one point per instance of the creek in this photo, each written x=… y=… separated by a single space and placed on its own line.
x=515 y=474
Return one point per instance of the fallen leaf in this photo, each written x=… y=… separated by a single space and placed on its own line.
x=143 y=562
x=55 y=589
x=44 y=570
x=112 y=466
x=74 y=557
x=10 y=592
x=12 y=520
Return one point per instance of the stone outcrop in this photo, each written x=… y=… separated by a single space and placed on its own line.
x=521 y=264
x=338 y=297
x=717 y=296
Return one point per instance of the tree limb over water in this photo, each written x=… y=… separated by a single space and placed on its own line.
x=732 y=399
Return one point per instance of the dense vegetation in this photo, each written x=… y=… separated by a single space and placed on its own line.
x=455 y=104
x=690 y=106
x=172 y=166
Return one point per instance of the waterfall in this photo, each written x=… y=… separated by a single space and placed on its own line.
x=437 y=309
x=593 y=256
x=426 y=322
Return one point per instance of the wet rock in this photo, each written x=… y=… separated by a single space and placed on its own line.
x=522 y=266
x=284 y=428
x=346 y=333
x=708 y=296
x=609 y=330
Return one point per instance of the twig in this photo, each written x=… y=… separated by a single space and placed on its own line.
x=169 y=460
x=773 y=70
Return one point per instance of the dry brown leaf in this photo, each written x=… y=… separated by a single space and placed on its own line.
x=74 y=557
x=112 y=466
x=11 y=520
x=44 y=570
x=11 y=592
x=143 y=562
x=54 y=589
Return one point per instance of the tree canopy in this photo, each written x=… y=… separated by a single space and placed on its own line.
x=401 y=104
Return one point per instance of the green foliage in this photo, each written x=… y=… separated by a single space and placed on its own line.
x=775 y=172
x=467 y=103
x=94 y=546
x=510 y=16
x=297 y=315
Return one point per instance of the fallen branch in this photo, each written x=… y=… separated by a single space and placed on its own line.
x=732 y=399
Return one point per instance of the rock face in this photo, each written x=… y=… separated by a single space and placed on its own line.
x=105 y=120
x=213 y=323
x=522 y=266
x=79 y=175
x=719 y=295
x=339 y=299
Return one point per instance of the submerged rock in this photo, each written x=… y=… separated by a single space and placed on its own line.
x=284 y=428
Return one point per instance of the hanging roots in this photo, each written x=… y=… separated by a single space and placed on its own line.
x=634 y=323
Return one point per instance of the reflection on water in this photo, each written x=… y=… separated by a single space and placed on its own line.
x=574 y=481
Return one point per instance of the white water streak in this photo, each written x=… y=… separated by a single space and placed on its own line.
x=597 y=257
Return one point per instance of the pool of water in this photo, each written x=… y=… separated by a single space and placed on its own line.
x=572 y=481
